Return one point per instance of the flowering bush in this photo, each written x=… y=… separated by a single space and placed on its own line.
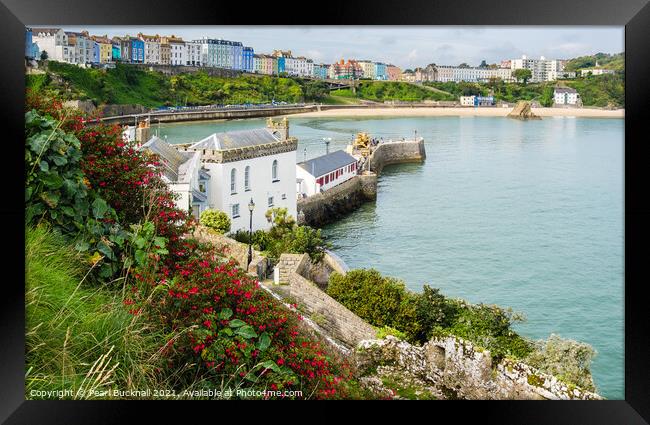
x=232 y=329
x=123 y=176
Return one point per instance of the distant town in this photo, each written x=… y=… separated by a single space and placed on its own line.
x=84 y=49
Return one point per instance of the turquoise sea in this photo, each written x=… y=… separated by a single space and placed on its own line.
x=527 y=215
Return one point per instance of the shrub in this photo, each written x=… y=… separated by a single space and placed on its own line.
x=387 y=330
x=432 y=311
x=490 y=327
x=216 y=220
x=382 y=301
x=566 y=359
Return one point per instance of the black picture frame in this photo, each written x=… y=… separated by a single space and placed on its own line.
x=633 y=14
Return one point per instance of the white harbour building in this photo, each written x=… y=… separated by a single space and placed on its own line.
x=258 y=164
x=324 y=172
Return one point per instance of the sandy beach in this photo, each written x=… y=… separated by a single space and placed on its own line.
x=468 y=111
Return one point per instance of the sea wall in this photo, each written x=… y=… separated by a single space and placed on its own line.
x=334 y=203
x=204 y=114
x=395 y=153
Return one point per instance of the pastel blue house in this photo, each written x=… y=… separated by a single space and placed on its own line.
x=137 y=50
x=237 y=55
x=29 y=53
x=281 y=65
x=380 y=71
x=320 y=71
x=247 y=59
x=95 y=58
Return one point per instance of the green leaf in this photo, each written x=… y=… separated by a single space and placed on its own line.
x=246 y=331
x=140 y=242
x=99 y=208
x=140 y=256
x=270 y=364
x=52 y=180
x=264 y=342
x=59 y=160
x=44 y=166
x=28 y=193
x=225 y=314
x=236 y=323
x=226 y=331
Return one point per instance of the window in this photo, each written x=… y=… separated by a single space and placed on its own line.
x=233 y=181
x=235 y=210
x=270 y=201
x=202 y=187
x=284 y=196
x=274 y=171
x=247 y=178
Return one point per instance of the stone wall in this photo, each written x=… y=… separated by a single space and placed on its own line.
x=336 y=321
x=231 y=248
x=334 y=203
x=395 y=153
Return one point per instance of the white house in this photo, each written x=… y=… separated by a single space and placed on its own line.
x=467 y=100
x=566 y=96
x=54 y=41
x=324 y=172
x=596 y=71
x=183 y=172
x=193 y=53
x=258 y=165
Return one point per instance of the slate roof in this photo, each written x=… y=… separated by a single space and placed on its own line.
x=565 y=90
x=177 y=166
x=236 y=139
x=327 y=163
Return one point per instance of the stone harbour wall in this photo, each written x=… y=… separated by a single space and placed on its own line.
x=388 y=153
x=334 y=203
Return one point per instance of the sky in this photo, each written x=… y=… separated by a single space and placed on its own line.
x=405 y=46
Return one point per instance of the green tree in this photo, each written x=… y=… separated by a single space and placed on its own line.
x=522 y=75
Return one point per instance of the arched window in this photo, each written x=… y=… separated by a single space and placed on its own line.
x=274 y=170
x=233 y=181
x=247 y=178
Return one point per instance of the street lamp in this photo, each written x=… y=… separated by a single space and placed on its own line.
x=327 y=144
x=251 y=207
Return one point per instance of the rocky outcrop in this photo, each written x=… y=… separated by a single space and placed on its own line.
x=523 y=111
x=451 y=368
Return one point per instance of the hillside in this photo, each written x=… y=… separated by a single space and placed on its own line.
x=380 y=91
x=129 y=85
x=597 y=90
x=605 y=60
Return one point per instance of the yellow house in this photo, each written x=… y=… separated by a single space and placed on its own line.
x=105 y=48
